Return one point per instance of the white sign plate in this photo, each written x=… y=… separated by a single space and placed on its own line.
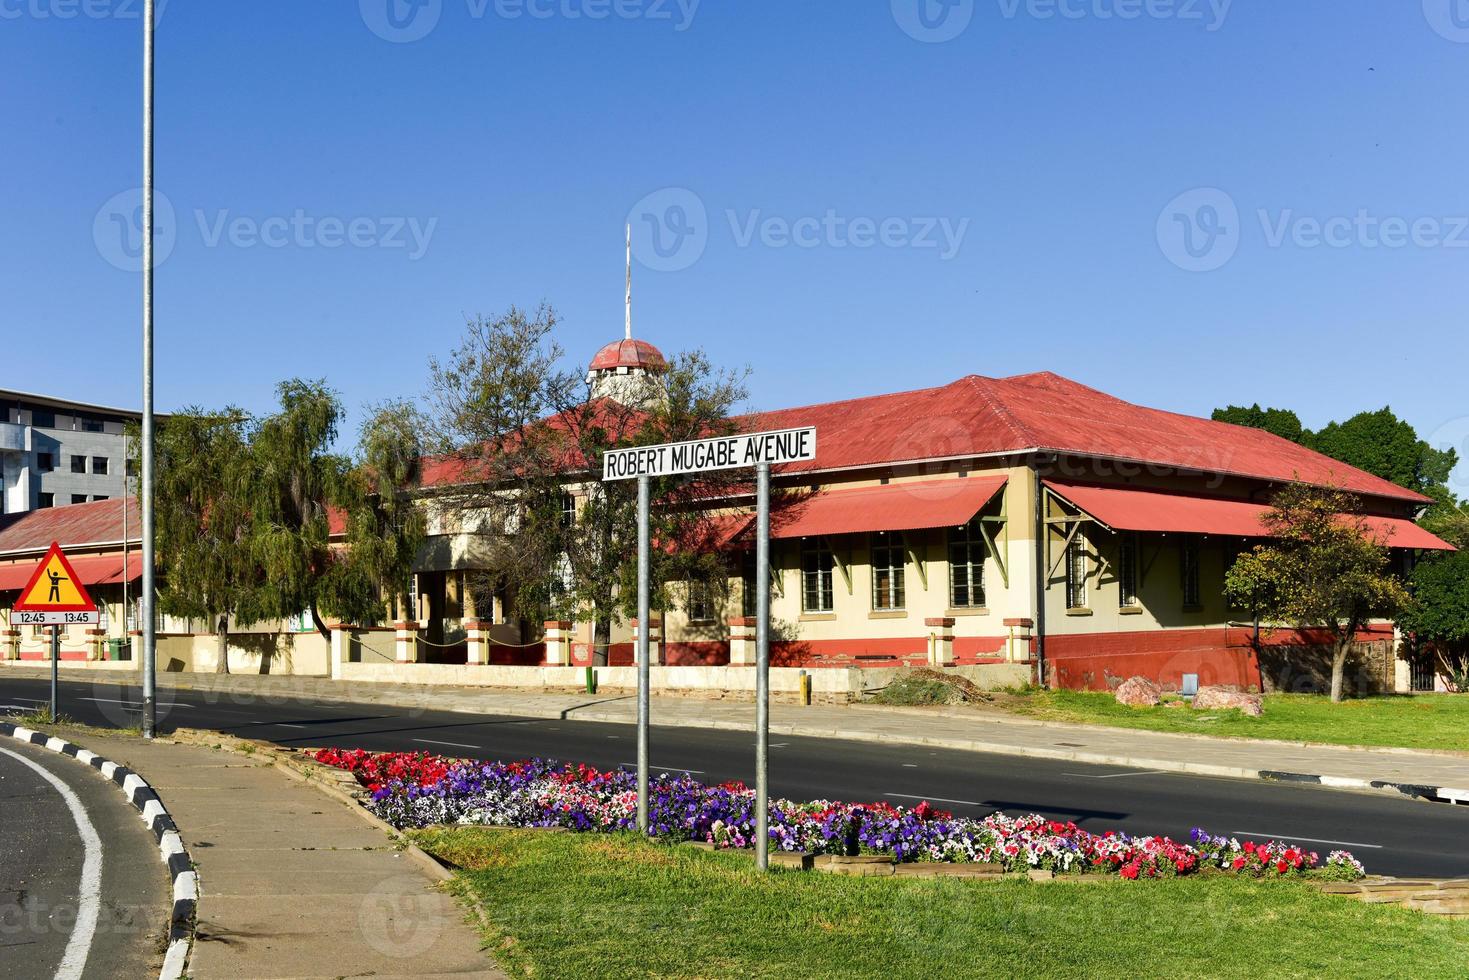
x=49 y=618
x=710 y=455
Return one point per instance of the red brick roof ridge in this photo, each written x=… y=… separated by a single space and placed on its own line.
x=981 y=386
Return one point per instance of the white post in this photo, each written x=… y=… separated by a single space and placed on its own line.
x=762 y=668
x=150 y=634
x=644 y=493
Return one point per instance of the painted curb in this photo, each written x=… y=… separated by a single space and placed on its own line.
x=170 y=846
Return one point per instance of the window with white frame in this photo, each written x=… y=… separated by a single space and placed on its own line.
x=1076 y=572
x=888 y=565
x=817 y=565
x=967 y=553
x=1127 y=572
x=1189 y=569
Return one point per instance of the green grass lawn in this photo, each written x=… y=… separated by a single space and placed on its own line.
x=1421 y=721
x=581 y=905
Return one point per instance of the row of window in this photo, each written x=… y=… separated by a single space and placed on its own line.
x=100 y=465
x=44 y=500
x=1127 y=572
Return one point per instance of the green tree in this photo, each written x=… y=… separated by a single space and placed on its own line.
x=1322 y=569
x=203 y=522
x=1386 y=446
x=526 y=437
x=1279 y=421
x=1438 y=620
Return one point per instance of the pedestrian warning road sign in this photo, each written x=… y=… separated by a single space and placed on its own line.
x=55 y=596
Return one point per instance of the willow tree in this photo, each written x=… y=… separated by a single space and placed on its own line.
x=1323 y=569
x=525 y=435
x=203 y=521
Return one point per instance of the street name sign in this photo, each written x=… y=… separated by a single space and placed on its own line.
x=710 y=455
x=54 y=596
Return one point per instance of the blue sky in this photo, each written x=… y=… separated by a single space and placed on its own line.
x=1183 y=202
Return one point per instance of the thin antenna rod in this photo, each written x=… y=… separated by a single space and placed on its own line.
x=628 y=326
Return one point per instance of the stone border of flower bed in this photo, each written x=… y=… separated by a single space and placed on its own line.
x=171 y=848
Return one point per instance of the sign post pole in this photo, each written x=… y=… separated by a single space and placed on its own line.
x=644 y=492
x=145 y=496
x=55 y=668
x=762 y=667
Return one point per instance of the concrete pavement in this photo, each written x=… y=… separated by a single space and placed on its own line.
x=1428 y=774
x=294 y=883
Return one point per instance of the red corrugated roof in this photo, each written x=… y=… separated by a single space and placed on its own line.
x=896 y=507
x=99 y=522
x=95 y=570
x=1044 y=412
x=1138 y=509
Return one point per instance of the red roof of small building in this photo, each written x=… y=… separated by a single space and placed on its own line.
x=99 y=522
x=1045 y=412
x=629 y=354
x=93 y=570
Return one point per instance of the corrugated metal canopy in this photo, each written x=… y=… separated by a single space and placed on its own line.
x=98 y=570
x=894 y=507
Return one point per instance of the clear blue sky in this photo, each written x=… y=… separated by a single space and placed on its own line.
x=1054 y=134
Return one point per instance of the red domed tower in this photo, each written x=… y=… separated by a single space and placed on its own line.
x=627 y=370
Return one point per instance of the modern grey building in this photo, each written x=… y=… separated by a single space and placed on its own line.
x=55 y=452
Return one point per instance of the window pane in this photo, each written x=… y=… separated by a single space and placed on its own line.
x=817 y=563
x=1076 y=574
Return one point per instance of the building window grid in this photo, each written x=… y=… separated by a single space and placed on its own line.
x=1076 y=597
x=888 y=565
x=818 y=594
x=79 y=464
x=100 y=466
x=967 y=553
x=1127 y=572
x=1189 y=567
x=700 y=602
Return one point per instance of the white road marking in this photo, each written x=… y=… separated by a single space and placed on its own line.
x=694 y=772
x=454 y=745
x=1287 y=838
x=281 y=724
x=137 y=704
x=1118 y=775
x=89 y=894
x=910 y=765
x=931 y=799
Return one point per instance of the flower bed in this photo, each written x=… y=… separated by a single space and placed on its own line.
x=420 y=790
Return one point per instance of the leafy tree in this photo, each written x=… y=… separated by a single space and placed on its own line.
x=1386 y=446
x=1438 y=620
x=203 y=522
x=525 y=438
x=1321 y=570
x=1279 y=421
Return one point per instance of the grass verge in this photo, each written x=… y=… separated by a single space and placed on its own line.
x=1420 y=721
x=574 y=906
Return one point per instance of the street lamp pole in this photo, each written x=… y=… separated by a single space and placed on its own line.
x=145 y=497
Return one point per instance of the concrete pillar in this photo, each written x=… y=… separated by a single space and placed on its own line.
x=558 y=643
x=941 y=632
x=9 y=644
x=96 y=644
x=405 y=643
x=340 y=640
x=1017 y=644
x=478 y=637
x=742 y=641
x=655 y=641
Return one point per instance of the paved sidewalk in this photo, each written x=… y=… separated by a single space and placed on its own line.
x=292 y=883
x=1438 y=775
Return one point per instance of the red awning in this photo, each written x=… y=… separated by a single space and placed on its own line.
x=98 y=570
x=896 y=507
x=1137 y=509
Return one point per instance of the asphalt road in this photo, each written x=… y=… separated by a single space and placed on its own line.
x=1389 y=834
x=78 y=898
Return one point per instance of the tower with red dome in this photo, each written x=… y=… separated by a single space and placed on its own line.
x=628 y=371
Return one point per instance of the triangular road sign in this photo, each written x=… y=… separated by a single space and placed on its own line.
x=55 y=587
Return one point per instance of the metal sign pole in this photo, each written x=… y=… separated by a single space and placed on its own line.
x=644 y=492
x=146 y=496
x=55 y=662
x=762 y=668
